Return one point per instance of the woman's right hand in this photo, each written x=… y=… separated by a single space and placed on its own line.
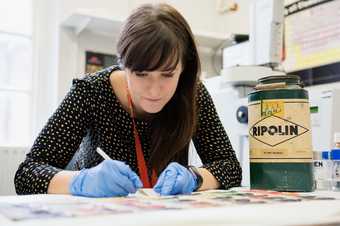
x=109 y=178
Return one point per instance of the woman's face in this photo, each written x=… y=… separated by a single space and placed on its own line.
x=151 y=90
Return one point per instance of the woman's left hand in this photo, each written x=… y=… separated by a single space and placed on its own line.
x=175 y=179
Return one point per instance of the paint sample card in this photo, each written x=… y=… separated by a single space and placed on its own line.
x=147 y=192
x=146 y=200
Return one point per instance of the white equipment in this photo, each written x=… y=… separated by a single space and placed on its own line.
x=265 y=39
x=266 y=31
x=325 y=119
x=244 y=75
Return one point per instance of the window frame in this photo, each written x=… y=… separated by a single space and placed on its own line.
x=29 y=91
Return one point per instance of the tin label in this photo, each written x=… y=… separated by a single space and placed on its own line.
x=280 y=131
x=269 y=108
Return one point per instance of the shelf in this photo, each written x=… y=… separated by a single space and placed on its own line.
x=90 y=20
x=102 y=23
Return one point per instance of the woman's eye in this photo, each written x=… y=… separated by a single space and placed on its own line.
x=141 y=74
x=168 y=75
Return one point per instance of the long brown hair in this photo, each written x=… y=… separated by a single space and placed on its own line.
x=158 y=37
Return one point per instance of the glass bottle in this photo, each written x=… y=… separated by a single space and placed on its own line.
x=335 y=157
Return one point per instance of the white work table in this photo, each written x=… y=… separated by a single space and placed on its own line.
x=316 y=212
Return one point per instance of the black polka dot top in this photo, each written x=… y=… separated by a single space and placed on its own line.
x=91 y=116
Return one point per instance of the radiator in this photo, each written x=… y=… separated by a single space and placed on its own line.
x=10 y=158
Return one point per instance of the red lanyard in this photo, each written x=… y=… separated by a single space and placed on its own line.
x=142 y=168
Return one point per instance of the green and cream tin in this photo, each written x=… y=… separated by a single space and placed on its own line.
x=280 y=135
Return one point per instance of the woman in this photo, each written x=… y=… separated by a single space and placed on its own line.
x=143 y=114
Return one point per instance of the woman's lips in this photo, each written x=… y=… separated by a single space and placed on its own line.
x=153 y=100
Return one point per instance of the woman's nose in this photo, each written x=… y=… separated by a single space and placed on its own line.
x=155 y=87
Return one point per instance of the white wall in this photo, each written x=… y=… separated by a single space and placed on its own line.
x=203 y=16
x=116 y=7
x=45 y=49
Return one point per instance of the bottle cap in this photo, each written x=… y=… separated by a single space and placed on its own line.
x=317 y=155
x=335 y=154
x=337 y=137
x=325 y=155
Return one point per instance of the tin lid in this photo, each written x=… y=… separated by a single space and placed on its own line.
x=278 y=79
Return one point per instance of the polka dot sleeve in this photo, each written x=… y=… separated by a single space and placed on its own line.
x=57 y=142
x=213 y=145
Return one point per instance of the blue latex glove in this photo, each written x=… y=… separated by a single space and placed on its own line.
x=109 y=178
x=175 y=179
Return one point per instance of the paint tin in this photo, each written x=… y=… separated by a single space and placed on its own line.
x=280 y=136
